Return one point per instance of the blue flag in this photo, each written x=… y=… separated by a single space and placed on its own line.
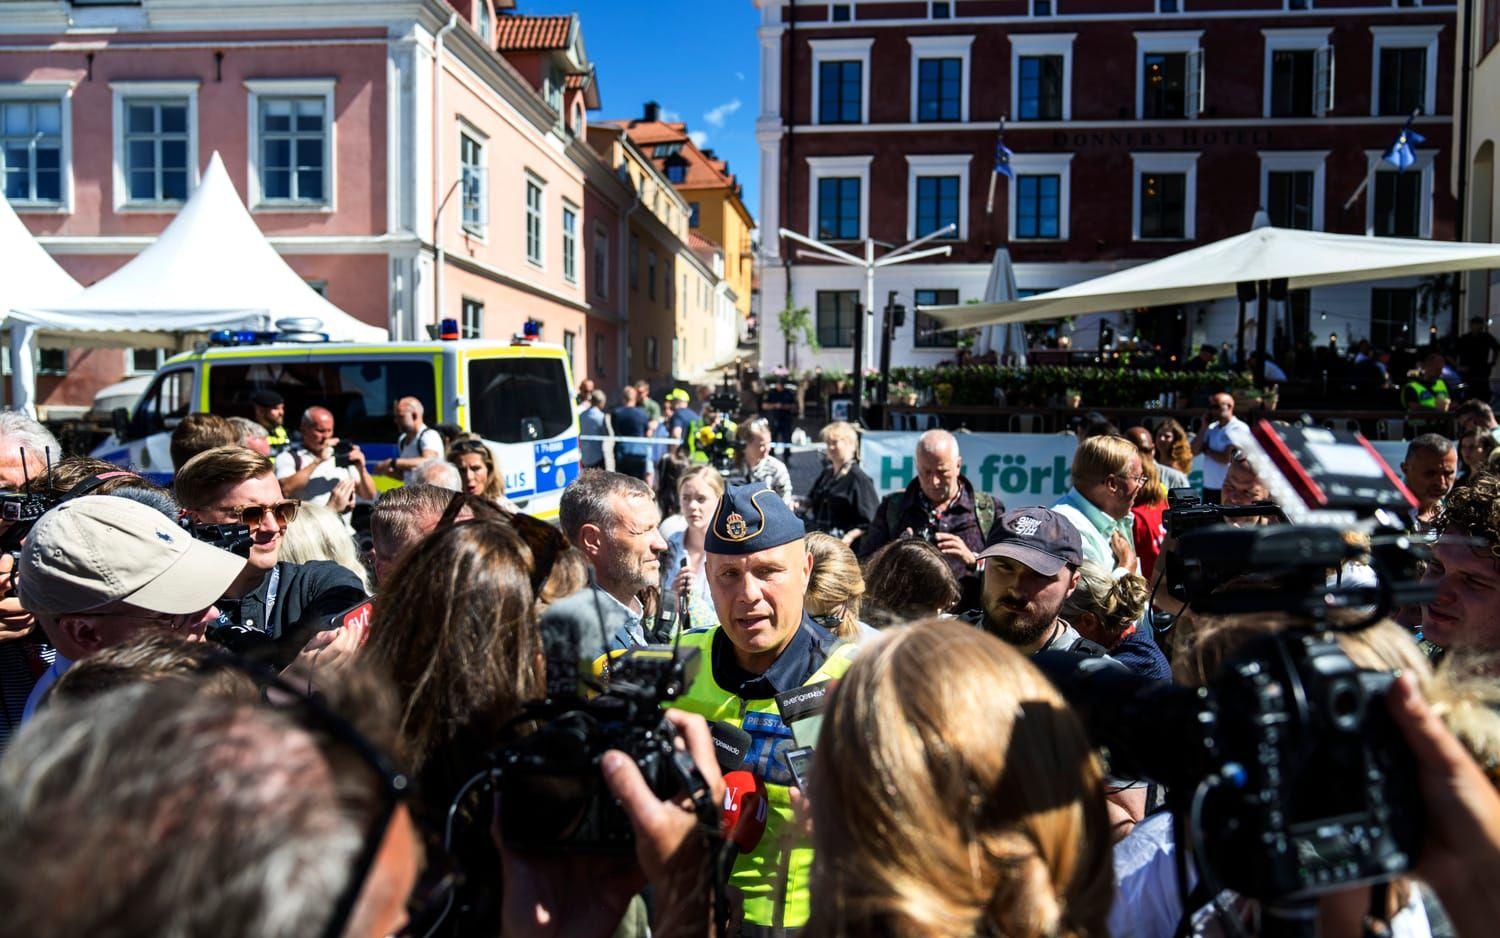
x=1003 y=155
x=1400 y=154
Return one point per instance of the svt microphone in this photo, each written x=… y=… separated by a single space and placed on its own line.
x=745 y=810
x=731 y=745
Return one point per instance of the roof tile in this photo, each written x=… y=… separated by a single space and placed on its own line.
x=526 y=33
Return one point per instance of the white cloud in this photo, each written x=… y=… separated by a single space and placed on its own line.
x=698 y=137
x=671 y=117
x=717 y=116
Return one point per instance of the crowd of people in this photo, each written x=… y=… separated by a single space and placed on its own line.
x=270 y=698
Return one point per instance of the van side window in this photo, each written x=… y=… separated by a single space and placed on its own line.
x=360 y=394
x=164 y=404
x=517 y=400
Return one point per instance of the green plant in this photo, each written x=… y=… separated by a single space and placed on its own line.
x=797 y=321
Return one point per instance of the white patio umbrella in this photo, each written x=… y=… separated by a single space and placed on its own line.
x=1303 y=258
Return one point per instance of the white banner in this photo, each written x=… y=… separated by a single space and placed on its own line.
x=1019 y=469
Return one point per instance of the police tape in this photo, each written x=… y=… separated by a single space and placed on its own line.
x=669 y=441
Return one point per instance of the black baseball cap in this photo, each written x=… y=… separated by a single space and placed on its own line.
x=267 y=399
x=1040 y=538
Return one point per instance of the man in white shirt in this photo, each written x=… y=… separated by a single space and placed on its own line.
x=417 y=443
x=1213 y=443
x=310 y=469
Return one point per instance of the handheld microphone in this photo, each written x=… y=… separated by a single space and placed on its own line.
x=731 y=745
x=745 y=811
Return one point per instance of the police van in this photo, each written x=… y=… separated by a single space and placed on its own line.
x=517 y=397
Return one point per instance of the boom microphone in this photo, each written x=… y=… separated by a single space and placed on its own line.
x=731 y=744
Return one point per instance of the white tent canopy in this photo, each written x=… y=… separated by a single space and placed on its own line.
x=28 y=274
x=211 y=268
x=1304 y=258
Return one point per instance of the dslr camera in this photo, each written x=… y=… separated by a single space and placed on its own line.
x=552 y=796
x=1284 y=771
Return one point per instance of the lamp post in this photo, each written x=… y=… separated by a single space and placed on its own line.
x=869 y=263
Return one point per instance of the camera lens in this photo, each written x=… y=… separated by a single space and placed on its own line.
x=1345 y=705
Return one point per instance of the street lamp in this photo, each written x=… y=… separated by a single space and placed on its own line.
x=907 y=252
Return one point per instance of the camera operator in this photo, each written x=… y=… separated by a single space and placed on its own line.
x=765 y=645
x=96 y=571
x=710 y=438
x=316 y=470
x=940 y=506
x=613 y=519
x=269 y=600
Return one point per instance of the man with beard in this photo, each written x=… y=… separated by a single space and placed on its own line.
x=1029 y=569
x=613 y=519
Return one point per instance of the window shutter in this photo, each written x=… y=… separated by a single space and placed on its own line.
x=1194 y=83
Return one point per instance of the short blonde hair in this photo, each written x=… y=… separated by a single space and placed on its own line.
x=956 y=794
x=839 y=428
x=1099 y=457
x=319 y=534
x=214 y=470
x=835 y=580
x=708 y=475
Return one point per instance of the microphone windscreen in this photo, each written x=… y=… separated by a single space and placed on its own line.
x=745 y=810
x=731 y=745
x=575 y=632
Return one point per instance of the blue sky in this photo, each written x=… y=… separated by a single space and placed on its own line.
x=701 y=66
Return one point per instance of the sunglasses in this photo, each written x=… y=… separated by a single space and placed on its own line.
x=253 y=515
x=545 y=541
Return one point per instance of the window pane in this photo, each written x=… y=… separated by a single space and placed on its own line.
x=310 y=152
x=1162 y=205
x=276 y=184
x=47 y=157
x=310 y=184
x=48 y=117
x=142 y=185
x=174 y=154
x=1292 y=82
x=140 y=119
x=276 y=116
x=48 y=185
x=174 y=184
x=17 y=119
x=1165 y=80
x=140 y=154
x=929 y=332
x=174 y=118
x=276 y=154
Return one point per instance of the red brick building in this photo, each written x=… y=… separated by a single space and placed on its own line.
x=1140 y=128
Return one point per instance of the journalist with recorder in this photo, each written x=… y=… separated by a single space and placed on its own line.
x=765 y=647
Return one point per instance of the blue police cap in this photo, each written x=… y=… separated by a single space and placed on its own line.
x=751 y=518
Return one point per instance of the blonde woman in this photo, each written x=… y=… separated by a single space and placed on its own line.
x=955 y=794
x=755 y=462
x=834 y=587
x=319 y=534
x=682 y=568
x=1104 y=609
x=843 y=500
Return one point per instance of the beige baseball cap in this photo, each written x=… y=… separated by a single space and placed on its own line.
x=100 y=549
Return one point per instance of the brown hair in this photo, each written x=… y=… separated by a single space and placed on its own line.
x=1474 y=510
x=198 y=433
x=1181 y=456
x=908 y=579
x=210 y=472
x=66 y=474
x=835 y=581
x=153 y=656
x=454 y=629
x=493 y=483
x=956 y=794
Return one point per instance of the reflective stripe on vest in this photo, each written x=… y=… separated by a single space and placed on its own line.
x=773 y=879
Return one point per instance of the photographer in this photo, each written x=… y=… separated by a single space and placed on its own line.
x=97 y=571
x=1212 y=442
x=317 y=469
x=940 y=506
x=710 y=438
x=765 y=645
x=271 y=601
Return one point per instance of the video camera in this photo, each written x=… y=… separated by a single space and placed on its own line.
x=1285 y=771
x=552 y=795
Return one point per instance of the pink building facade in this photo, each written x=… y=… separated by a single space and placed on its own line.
x=395 y=159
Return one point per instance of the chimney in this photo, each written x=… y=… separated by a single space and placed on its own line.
x=653 y=111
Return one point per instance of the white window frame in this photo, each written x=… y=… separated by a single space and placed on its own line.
x=1296 y=40
x=1042 y=164
x=941 y=47
x=1186 y=163
x=947 y=165
x=130 y=369
x=841 y=50
x=1375 y=163
x=481 y=230
x=1025 y=45
x=569 y=240
x=1186 y=41
x=599 y=262
x=258 y=88
x=1297 y=161
x=1423 y=35
x=41 y=91
x=122 y=93
x=464 y=305
x=532 y=179
x=819 y=167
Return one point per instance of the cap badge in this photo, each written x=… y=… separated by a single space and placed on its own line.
x=734 y=524
x=1027 y=527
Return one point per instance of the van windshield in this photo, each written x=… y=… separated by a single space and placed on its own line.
x=517 y=400
x=359 y=394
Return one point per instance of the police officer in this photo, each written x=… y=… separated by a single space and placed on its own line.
x=764 y=646
x=270 y=412
x=703 y=432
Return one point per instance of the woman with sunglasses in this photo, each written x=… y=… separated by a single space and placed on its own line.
x=476 y=467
